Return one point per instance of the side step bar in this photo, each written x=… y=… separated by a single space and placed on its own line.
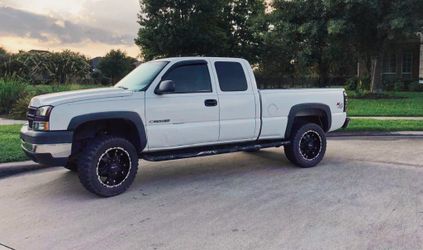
x=210 y=150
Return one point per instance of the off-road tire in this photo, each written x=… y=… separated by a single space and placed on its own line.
x=91 y=158
x=307 y=146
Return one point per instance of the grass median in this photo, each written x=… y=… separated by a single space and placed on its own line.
x=373 y=125
x=10 y=145
x=399 y=104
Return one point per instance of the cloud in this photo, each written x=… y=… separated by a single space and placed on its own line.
x=16 y=22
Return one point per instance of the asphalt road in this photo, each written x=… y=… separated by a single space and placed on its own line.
x=365 y=195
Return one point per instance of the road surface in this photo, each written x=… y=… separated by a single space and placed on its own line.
x=366 y=194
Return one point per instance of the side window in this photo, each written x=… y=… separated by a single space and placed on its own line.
x=231 y=76
x=190 y=78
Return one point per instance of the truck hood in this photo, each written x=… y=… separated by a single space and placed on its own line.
x=78 y=95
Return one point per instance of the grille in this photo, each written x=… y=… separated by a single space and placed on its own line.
x=30 y=116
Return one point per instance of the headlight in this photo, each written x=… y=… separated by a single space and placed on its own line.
x=43 y=111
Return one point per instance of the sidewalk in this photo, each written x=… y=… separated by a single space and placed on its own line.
x=4 y=121
x=414 y=118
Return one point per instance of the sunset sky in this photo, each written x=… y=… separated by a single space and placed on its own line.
x=91 y=27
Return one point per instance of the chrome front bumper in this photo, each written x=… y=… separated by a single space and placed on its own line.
x=56 y=150
x=49 y=148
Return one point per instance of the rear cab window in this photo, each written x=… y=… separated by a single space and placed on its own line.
x=231 y=76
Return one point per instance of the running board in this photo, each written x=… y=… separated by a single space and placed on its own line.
x=174 y=154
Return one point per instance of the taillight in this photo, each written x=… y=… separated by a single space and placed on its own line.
x=345 y=101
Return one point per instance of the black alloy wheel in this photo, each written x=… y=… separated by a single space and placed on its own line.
x=108 y=165
x=307 y=146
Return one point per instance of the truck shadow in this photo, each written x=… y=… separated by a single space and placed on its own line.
x=162 y=176
x=205 y=169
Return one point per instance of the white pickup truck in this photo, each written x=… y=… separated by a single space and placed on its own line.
x=177 y=108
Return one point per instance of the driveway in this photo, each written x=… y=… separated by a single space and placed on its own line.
x=367 y=194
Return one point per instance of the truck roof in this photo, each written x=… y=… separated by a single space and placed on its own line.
x=199 y=57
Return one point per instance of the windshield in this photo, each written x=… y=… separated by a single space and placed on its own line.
x=142 y=76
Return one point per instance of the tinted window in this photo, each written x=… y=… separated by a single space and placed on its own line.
x=190 y=78
x=231 y=76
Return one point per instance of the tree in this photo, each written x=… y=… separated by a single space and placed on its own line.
x=46 y=67
x=3 y=52
x=306 y=35
x=67 y=64
x=200 y=27
x=371 y=25
x=3 y=59
x=116 y=64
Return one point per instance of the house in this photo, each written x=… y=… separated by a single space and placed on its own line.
x=403 y=61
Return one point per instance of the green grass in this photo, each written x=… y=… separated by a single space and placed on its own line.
x=10 y=145
x=384 y=125
x=412 y=105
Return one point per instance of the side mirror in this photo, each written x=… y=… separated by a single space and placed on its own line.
x=165 y=87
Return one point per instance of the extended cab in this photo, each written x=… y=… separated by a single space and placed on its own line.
x=177 y=108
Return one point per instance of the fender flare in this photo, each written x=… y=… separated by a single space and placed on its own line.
x=307 y=107
x=129 y=116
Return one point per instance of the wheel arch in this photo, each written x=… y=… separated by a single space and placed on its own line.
x=310 y=111
x=128 y=118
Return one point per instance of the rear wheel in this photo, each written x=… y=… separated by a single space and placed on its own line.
x=307 y=147
x=108 y=166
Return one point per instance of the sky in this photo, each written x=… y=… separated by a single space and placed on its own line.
x=92 y=27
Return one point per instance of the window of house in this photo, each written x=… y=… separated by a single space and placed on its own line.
x=231 y=76
x=190 y=78
x=389 y=64
x=407 y=62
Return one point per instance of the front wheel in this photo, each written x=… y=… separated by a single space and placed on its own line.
x=108 y=166
x=307 y=147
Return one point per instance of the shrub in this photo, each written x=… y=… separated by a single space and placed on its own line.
x=10 y=92
x=20 y=108
x=352 y=83
x=399 y=86
x=359 y=85
x=415 y=86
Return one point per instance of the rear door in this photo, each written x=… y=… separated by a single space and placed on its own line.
x=237 y=101
x=190 y=115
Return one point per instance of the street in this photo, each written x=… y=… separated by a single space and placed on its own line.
x=366 y=194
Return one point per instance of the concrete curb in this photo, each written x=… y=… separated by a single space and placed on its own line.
x=12 y=168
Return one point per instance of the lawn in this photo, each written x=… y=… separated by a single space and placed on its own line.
x=10 y=147
x=411 y=105
x=384 y=125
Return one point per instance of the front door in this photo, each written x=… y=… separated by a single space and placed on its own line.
x=187 y=117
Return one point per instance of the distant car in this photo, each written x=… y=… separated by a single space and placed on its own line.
x=177 y=108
